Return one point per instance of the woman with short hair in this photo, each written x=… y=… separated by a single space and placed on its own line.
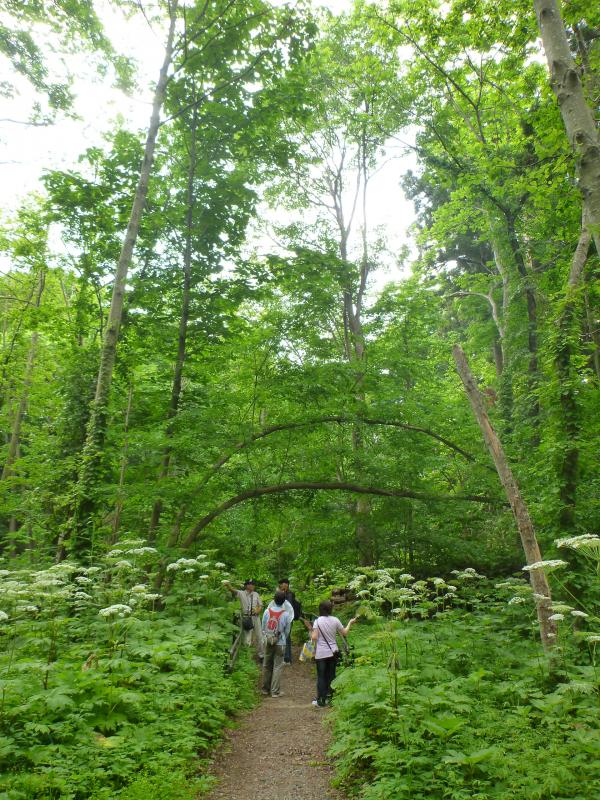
x=325 y=629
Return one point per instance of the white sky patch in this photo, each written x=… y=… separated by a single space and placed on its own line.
x=26 y=152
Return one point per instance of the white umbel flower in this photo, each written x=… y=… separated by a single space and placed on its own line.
x=118 y=610
x=551 y=564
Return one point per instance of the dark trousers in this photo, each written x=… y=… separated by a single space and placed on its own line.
x=325 y=675
x=288 y=646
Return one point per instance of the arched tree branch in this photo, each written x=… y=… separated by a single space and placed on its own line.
x=286 y=426
x=260 y=491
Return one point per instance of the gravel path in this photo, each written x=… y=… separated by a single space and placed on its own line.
x=279 y=752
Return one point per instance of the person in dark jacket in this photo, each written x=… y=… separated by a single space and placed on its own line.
x=284 y=586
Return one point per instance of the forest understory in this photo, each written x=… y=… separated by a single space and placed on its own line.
x=332 y=312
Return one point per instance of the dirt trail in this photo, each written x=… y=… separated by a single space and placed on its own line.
x=279 y=752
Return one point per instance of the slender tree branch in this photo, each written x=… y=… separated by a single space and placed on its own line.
x=261 y=491
x=286 y=426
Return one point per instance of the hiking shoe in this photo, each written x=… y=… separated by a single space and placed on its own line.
x=277 y=694
x=316 y=704
x=264 y=691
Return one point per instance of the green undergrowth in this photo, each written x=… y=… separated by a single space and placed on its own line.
x=127 y=700
x=464 y=705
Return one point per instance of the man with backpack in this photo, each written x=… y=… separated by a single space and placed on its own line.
x=276 y=623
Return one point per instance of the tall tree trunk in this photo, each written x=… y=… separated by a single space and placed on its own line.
x=593 y=332
x=116 y=523
x=183 y=324
x=15 y=434
x=531 y=548
x=576 y=113
x=568 y=328
x=533 y=410
x=516 y=278
x=96 y=431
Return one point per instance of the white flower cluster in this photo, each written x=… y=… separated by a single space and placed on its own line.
x=357 y=582
x=81 y=596
x=561 y=608
x=141 y=551
x=181 y=563
x=118 y=610
x=220 y=565
x=468 y=573
x=585 y=541
x=517 y=600
x=551 y=564
x=556 y=617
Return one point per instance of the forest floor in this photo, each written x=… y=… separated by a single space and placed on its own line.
x=279 y=750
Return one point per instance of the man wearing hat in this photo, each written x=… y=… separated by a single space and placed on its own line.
x=251 y=614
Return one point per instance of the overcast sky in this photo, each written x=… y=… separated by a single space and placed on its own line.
x=26 y=151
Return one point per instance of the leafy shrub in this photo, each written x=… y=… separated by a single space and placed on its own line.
x=457 y=700
x=97 y=683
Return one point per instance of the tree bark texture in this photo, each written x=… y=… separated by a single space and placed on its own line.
x=577 y=116
x=531 y=548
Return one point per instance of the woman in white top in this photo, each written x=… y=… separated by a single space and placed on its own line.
x=324 y=632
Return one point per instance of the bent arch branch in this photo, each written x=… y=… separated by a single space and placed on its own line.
x=260 y=491
x=340 y=419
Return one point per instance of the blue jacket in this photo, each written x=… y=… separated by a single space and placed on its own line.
x=285 y=622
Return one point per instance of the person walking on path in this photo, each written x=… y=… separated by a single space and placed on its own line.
x=325 y=628
x=251 y=605
x=294 y=607
x=276 y=623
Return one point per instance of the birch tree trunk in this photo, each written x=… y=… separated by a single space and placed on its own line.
x=577 y=116
x=531 y=548
x=96 y=431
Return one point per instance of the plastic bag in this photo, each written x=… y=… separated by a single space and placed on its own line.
x=308 y=651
